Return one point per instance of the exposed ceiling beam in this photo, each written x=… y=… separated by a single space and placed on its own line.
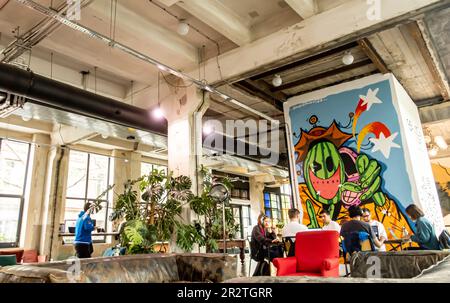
x=427 y=54
x=321 y=75
x=303 y=61
x=368 y=49
x=168 y=2
x=137 y=30
x=304 y=8
x=220 y=18
x=326 y=30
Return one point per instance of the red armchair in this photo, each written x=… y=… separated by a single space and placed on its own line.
x=316 y=254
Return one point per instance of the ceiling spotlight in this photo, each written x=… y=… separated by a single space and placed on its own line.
x=277 y=81
x=433 y=151
x=104 y=136
x=183 y=28
x=348 y=58
x=440 y=142
x=158 y=113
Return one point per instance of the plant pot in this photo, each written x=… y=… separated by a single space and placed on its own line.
x=161 y=247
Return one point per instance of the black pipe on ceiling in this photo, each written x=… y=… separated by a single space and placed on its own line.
x=65 y=97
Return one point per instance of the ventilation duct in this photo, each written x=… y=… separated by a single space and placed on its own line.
x=51 y=93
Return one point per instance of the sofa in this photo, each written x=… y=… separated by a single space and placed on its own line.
x=148 y=268
x=395 y=264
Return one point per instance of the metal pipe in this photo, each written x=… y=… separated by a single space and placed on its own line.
x=163 y=67
x=69 y=98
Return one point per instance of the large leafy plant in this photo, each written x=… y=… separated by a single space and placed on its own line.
x=209 y=210
x=153 y=215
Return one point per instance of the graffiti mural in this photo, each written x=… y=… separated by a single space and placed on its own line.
x=348 y=151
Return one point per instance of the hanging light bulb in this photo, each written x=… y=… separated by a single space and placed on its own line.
x=26 y=117
x=207 y=129
x=277 y=81
x=433 y=151
x=440 y=141
x=158 y=113
x=183 y=28
x=348 y=58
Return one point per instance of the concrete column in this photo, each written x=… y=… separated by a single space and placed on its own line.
x=256 y=197
x=127 y=166
x=55 y=193
x=35 y=202
x=183 y=110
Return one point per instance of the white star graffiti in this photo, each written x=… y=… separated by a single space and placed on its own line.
x=384 y=144
x=371 y=98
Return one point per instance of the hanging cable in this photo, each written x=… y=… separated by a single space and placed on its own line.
x=95 y=79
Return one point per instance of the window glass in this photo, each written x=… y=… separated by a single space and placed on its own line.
x=76 y=182
x=9 y=219
x=13 y=166
x=98 y=175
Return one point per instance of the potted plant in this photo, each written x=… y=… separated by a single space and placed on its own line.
x=154 y=215
x=210 y=227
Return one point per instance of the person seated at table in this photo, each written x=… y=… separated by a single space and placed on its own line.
x=294 y=226
x=264 y=241
x=425 y=234
x=377 y=227
x=355 y=225
x=327 y=223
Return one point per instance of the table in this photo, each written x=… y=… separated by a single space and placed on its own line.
x=93 y=234
x=397 y=243
x=239 y=243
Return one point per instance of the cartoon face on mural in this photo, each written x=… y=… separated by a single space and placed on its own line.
x=338 y=174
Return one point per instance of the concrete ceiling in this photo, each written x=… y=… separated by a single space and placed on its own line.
x=239 y=45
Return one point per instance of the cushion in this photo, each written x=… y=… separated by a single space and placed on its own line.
x=7 y=260
x=13 y=251
x=30 y=256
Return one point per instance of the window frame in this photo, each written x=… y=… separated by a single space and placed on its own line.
x=21 y=197
x=282 y=211
x=89 y=199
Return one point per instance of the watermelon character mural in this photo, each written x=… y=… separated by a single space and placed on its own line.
x=338 y=166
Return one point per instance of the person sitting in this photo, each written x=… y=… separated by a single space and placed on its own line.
x=327 y=223
x=355 y=226
x=264 y=241
x=377 y=227
x=425 y=234
x=294 y=226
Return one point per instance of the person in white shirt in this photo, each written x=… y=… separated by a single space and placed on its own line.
x=377 y=227
x=294 y=226
x=327 y=223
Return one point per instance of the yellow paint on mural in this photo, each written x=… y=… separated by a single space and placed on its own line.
x=388 y=214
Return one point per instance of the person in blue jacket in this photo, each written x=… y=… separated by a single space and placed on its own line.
x=425 y=234
x=83 y=233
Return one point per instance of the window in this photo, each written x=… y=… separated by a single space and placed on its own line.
x=241 y=214
x=14 y=162
x=277 y=203
x=89 y=176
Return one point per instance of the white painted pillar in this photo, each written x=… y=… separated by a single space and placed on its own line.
x=35 y=202
x=184 y=138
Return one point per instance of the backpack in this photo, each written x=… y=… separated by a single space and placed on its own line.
x=444 y=240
